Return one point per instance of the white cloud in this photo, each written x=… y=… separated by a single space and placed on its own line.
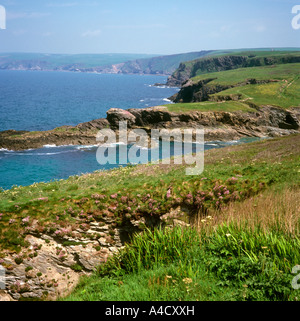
x=259 y=28
x=19 y=32
x=26 y=15
x=62 y=5
x=72 y=4
x=92 y=33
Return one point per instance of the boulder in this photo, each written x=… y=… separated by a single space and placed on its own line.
x=115 y=116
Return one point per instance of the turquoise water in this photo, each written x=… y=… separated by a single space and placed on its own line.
x=45 y=100
x=51 y=163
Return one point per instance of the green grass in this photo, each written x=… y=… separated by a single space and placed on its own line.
x=231 y=106
x=147 y=184
x=234 y=257
x=229 y=77
x=283 y=91
x=185 y=265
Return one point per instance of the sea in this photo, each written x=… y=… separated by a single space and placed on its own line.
x=41 y=100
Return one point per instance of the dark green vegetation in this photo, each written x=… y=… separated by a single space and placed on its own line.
x=229 y=61
x=162 y=65
x=245 y=209
x=239 y=82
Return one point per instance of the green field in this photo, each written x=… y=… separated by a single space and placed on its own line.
x=281 y=88
x=210 y=106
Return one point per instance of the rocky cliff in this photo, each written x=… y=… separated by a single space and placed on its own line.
x=205 y=65
x=267 y=121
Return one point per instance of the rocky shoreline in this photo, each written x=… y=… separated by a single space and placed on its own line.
x=266 y=121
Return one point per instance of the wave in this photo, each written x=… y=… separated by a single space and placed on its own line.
x=50 y=146
x=80 y=147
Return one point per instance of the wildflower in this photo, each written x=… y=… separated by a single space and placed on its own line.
x=187 y=280
x=168 y=276
x=26 y=220
x=228 y=235
x=11 y=221
x=124 y=199
x=114 y=196
x=226 y=192
x=44 y=199
x=168 y=193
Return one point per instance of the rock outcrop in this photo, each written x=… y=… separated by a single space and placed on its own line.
x=205 y=65
x=52 y=263
x=267 y=121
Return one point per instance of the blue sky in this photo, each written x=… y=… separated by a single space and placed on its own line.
x=146 y=26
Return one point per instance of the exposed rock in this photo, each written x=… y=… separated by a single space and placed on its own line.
x=115 y=116
x=52 y=264
x=221 y=125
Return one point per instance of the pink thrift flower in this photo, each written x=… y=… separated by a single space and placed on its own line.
x=169 y=193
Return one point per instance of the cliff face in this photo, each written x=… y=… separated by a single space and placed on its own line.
x=202 y=90
x=267 y=121
x=206 y=65
x=200 y=66
x=102 y=63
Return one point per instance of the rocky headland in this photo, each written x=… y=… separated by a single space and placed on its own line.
x=266 y=121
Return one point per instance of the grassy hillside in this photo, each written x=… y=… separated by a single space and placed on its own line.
x=162 y=64
x=244 y=209
x=223 y=61
x=229 y=106
x=133 y=63
x=276 y=85
x=241 y=248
